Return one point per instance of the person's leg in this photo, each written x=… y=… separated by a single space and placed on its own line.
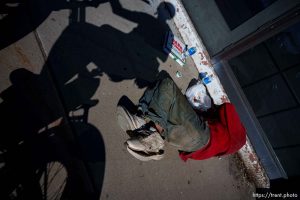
x=157 y=100
x=128 y=121
x=143 y=137
x=168 y=107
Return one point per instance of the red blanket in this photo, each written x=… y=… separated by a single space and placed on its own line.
x=227 y=135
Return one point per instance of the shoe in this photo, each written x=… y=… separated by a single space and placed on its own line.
x=128 y=121
x=146 y=141
x=142 y=156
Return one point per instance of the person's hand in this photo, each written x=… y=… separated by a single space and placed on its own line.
x=159 y=129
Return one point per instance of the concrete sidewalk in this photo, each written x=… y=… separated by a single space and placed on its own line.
x=92 y=53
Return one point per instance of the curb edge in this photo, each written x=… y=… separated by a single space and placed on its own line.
x=255 y=170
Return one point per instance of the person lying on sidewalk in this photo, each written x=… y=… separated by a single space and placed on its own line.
x=164 y=114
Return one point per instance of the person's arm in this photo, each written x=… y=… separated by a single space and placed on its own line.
x=118 y=9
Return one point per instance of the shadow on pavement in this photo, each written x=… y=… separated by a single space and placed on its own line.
x=45 y=154
x=18 y=18
x=48 y=148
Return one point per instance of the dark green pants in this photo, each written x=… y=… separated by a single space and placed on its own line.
x=165 y=105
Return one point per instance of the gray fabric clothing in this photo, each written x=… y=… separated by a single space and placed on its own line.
x=165 y=105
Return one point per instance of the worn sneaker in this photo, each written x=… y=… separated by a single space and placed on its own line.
x=128 y=121
x=146 y=141
x=142 y=156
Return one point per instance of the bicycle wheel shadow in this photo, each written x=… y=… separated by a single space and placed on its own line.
x=47 y=113
x=44 y=153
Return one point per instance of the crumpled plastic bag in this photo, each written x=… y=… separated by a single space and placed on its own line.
x=198 y=97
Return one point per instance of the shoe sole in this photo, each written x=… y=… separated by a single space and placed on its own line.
x=150 y=151
x=143 y=156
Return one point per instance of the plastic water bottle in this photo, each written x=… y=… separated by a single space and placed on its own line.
x=203 y=76
x=190 y=51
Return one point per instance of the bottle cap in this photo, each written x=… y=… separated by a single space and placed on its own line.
x=202 y=75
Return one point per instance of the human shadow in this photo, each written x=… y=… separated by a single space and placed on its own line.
x=42 y=155
x=47 y=113
x=151 y=29
x=119 y=55
x=18 y=18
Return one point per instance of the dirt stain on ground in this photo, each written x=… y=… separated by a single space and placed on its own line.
x=238 y=170
x=22 y=57
x=205 y=62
